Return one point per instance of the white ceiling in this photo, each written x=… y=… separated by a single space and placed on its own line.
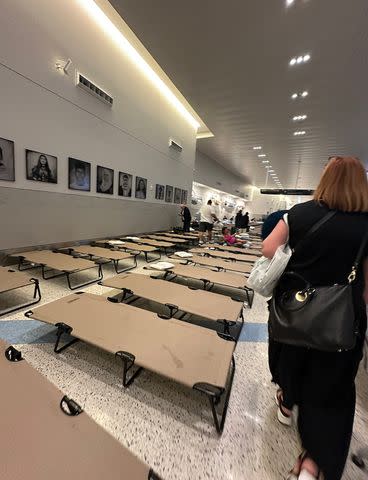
x=230 y=59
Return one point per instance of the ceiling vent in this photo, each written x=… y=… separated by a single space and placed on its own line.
x=93 y=89
x=175 y=146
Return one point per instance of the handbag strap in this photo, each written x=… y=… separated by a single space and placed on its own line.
x=314 y=228
x=358 y=258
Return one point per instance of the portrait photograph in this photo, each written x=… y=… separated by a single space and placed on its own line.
x=160 y=192
x=79 y=175
x=184 y=196
x=125 y=184
x=169 y=194
x=177 y=195
x=140 y=188
x=7 y=170
x=41 y=167
x=105 y=180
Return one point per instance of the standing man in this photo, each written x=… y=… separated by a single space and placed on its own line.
x=186 y=217
x=208 y=217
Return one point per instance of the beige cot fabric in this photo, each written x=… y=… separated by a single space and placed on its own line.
x=231 y=249
x=10 y=279
x=102 y=252
x=226 y=255
x=39 y=442
x=176 y=235
x=162 y=238
x=57 y=261
x=138 y=247
x=240 y=267
x=156 y=243
x=181 y=351
x=199 y=273
x=197 y=302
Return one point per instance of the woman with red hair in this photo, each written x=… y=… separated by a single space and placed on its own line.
x=322 y=383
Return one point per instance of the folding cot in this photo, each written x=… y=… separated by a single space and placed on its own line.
x=187 y=238
x=133 y=247
x=194 y=356
x=112 y=255
x=231 y=249
x=11 y=280
x=155 y=243
x=46 y=435
x=210 y=278
x=178 y=298
x=219 y=264
x=65 y=264
x=162 y=238
x=225 y=255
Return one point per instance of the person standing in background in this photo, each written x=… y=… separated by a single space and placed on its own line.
x=238 y=217
x=208 y=217
x=244 y=222
x=186 y=217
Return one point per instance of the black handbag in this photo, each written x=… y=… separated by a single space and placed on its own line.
x=321 y=318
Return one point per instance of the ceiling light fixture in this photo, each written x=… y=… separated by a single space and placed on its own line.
x=122 y=42
x=299 y=95
x=289 y=2
x=305 y=94
x=265 y=161
x=262 y=155
x=299 y=132
x=300 y=59
x=271 y=171
x=257 y=148
x=299 y=118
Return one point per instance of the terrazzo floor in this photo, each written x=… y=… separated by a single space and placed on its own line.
x=169 y=426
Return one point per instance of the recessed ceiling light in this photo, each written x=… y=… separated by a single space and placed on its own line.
x=305 y=93
x=268 y=166
x=262 y=155
x=265 y=161
x=257 y=148
x=289 y=2
x=300 y=59
x=271 y=171
x=299 y=132
x=299 y=118
x=294 y=96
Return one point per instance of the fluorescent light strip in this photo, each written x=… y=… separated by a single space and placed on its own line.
x=262 y=155
x=114 y=33
x=257 y=148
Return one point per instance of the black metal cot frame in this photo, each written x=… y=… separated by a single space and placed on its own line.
x=24 y=264
x=214 y=393
x=36 y=296
x=116 y=262
x=67 y=405
x=136 y=251
x=208 y=285
x=128 y=296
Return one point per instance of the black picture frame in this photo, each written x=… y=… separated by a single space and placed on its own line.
x=105 y=180
x=125 y=184
x=7 y=160
x=41 y=167
x=177 y=195
x=160 y=192
x=141 y=188
x=169 y=194
x=79 y=175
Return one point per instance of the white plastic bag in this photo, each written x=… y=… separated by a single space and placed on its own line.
x=266 y=273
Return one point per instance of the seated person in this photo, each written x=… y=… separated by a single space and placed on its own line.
x=231 y=240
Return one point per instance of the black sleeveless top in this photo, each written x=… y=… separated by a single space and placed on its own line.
x=329 y=254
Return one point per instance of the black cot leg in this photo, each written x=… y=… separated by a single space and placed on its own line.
x=152 y=259
x=36 y=296
x=74 y=287
x=214 y=395
x=128 y=363
x=62 y=329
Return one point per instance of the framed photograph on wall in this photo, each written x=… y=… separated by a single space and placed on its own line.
x=79 y=175
x=160 y=192
x=184 y=196
x=105 y=180
x=41 y=167
x=140 y=187
x=169 y=194
x=177 y=195
x=7 y=170
x=125 y=184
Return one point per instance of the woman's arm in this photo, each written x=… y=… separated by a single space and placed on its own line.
x=365 y=266
x=277 y=237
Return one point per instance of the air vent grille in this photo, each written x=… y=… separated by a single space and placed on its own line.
x=93 y=89
x=174 y=145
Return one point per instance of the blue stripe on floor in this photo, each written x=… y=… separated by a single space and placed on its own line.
x=33 y=331
x=254 y=332
x=26 y=331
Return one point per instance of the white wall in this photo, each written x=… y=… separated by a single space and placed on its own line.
x=210 y=173
x=44 y=111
